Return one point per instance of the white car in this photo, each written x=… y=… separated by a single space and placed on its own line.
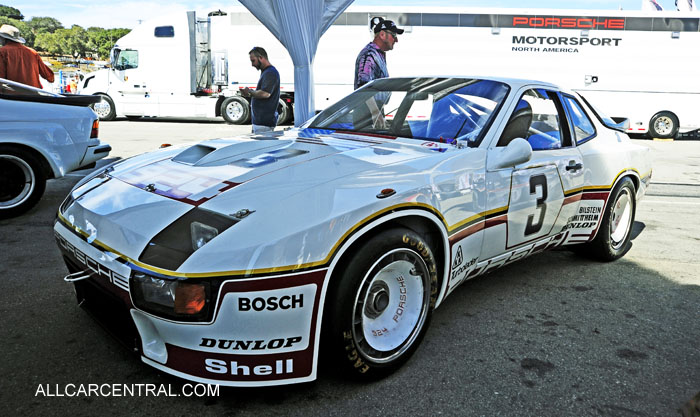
x=42 y=135
x=235 y=261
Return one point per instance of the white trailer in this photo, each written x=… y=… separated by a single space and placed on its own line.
x=630 y=64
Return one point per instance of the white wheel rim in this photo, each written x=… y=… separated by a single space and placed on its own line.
x=102 y=109
x=391 y=306
x=621 y=219
x=234 y=110
x=8 y=198
x=663 y=125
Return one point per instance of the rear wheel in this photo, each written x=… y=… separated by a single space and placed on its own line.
x=613 y=239
x=235 y=110
x=284 y=112
x=22 y=181
x=663 y=125
x=380 y=307
x=105 y=109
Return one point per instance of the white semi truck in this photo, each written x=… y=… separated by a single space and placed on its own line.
x=630 y=64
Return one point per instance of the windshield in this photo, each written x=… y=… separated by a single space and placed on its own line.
x=437 y=109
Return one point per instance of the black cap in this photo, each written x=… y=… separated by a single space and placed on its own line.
x=387 y=25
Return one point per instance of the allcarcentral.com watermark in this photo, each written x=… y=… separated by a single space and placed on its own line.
x=126 y=390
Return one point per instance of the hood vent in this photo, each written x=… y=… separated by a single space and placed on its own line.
x=191 y=155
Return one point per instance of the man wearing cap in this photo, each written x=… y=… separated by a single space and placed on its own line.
x=20 y=63
x=371 y=62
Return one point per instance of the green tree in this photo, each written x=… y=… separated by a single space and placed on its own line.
x=44 y=24
x=50 y=43
x=10 y=12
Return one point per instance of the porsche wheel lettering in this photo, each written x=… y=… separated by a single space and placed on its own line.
x=285 y=302
x=232 y=344
x=402 y=298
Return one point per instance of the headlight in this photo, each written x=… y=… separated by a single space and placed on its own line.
x=201 y=234
x=175 y=299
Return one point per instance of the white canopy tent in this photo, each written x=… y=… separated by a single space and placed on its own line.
x=298 y=25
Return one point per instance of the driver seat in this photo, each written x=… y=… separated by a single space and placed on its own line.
x=518 y=125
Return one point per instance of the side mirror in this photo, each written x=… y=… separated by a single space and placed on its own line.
x=515 y=153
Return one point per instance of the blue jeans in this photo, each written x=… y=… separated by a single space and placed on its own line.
x=262 y=129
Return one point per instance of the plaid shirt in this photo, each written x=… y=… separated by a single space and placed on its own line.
x=370 y=65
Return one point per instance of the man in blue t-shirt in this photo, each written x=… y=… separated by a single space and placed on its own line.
x=266 y=96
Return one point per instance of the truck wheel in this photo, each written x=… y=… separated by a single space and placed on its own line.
x=22 y=181
x=664 y=124
x=235 y=110
x=105 y=109
x=284 y=113
x=613 y=238
x=380 y=306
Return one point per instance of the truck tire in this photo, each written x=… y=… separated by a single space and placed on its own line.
x=664 y=125
x=284 y=113
x=22 y=181
x=105 y=109
x=235 y=110
x=380 y=304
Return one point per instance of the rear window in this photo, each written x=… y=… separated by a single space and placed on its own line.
x=582 y=125
x=164 y=32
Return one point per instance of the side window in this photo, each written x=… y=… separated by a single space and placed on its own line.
x=164 y=32
x=537 y=118
x=583 y=128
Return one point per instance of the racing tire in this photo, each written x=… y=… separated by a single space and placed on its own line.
x=105 y=109
x=613 y=238
x=22 y=181
x=235 y=110
x=380 y=305
x=284 y=113
x=663 y=125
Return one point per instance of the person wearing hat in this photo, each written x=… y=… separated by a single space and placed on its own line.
x=20 y=63
x=371 y=61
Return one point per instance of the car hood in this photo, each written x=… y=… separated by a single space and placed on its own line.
x=309 y=175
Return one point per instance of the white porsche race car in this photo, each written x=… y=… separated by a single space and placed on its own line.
x=235 y=261
x=42 y=135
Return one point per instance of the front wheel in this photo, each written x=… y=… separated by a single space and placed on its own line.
x=613 y=239
x=235 y=110
x=380 y=306
x=22 y=181
x=105 y=109
x=663 y=125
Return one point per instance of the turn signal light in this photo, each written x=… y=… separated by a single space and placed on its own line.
x=190 y=298
x=95 y=129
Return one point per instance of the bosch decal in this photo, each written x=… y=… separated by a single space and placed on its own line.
x=271 y=303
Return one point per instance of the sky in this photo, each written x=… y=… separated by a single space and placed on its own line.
x=127 y=13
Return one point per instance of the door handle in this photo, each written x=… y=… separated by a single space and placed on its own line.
x=573 y=166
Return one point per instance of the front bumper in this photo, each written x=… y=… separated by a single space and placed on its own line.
x=264 y=330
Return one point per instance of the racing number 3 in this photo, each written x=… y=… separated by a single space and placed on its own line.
x=536 y=180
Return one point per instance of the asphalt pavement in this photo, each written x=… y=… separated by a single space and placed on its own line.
x=552 y=335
